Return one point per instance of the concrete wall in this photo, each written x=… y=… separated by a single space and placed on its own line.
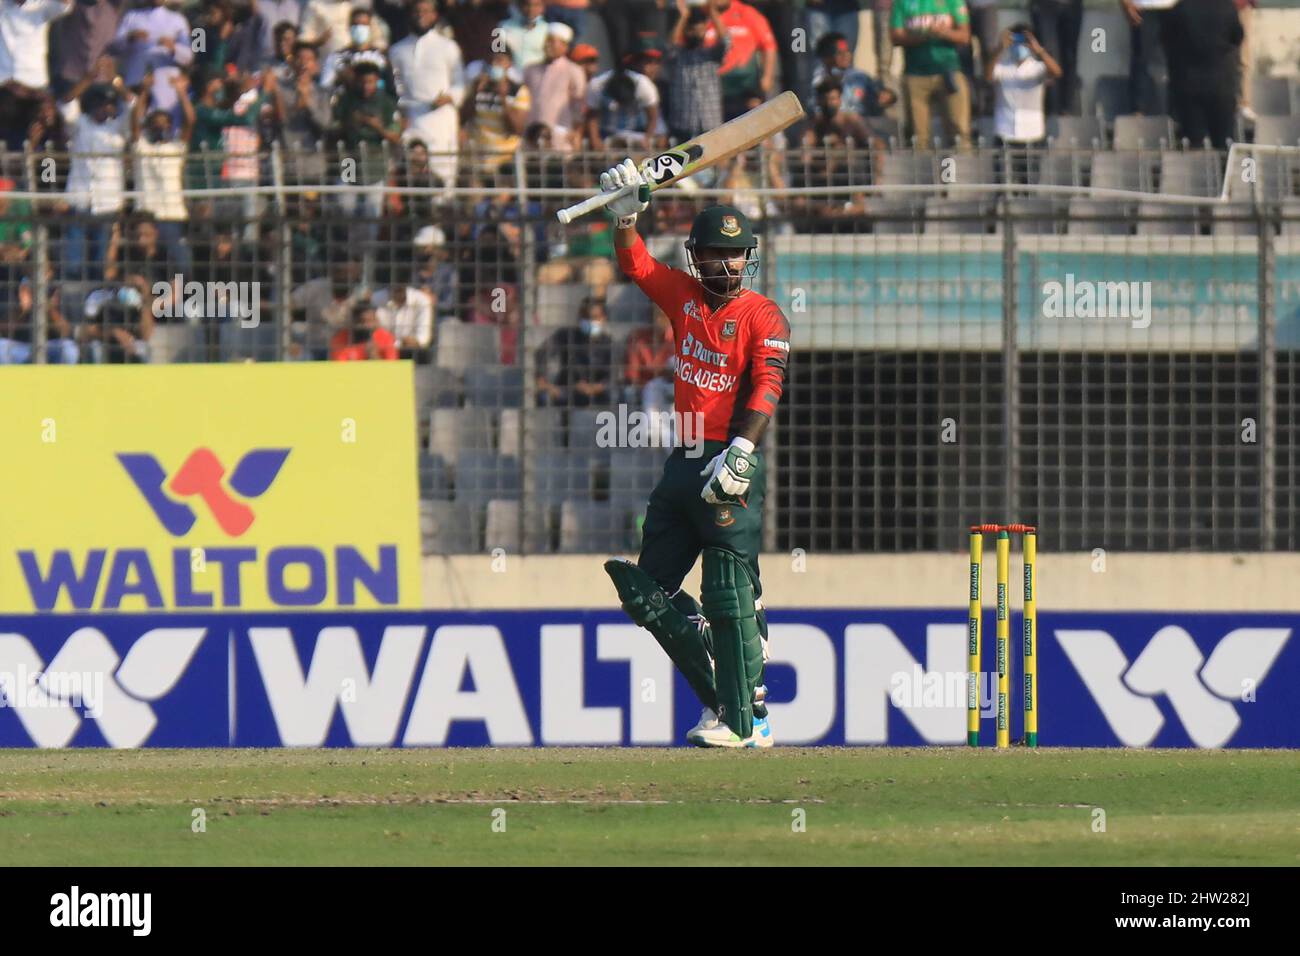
x=1129 y=582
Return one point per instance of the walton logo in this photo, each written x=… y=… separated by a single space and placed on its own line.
x=1201 y=690
x=149 y=671
x=201 y=476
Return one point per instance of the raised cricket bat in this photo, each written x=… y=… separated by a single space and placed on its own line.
x=707 y=149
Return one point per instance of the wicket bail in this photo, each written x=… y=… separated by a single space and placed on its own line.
x=1029 y=634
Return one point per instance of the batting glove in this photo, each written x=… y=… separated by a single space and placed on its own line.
x=729 y=473
x=625 y=177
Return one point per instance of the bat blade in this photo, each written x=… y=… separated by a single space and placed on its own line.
x=708 y=149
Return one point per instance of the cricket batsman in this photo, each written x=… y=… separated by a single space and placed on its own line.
x=732 y=348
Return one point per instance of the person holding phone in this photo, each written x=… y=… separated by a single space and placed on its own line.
x=1020 y=71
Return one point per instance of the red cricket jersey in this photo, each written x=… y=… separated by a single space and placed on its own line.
x=728 y=361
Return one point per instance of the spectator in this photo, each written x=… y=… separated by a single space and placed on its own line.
x=1246 y=14
x=649 y=351
x=430 y=87
x=984 y=29
x=750 y=60
x=496 y=110
x=15 y=226
x=325 y=23
x=1148 y=72
x=284 y=43
x=572 y=13
x=17 y=329
x=834 y=16
x=558 y=89
x=117 y=327
x=364 y=120
x=622 y=110
x=406 y=312
x=525 y=32
x=363 y=339
x=82 y=37
x=434 y=274
x=307 y=117
x=156 y=39
x=47 y=129
x=159 y=169
x=634 y=25
x=1020 y=70
x=326 y=304
x=831 y=123
x=575 y=364
x=882 y=15
x=696 y=102
x=474 y=26
x=1057 y=24
x=25 y=40
x=226 y=129
x=587 y=57
x=271 y=14
x=362 y=47
x=860 y=94
x=1201 y=39
x=930 y=31
x=743 y=176
x=144 y=263
x=98 y=129
x=231 y=39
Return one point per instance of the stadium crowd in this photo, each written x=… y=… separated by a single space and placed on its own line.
x=415 y=120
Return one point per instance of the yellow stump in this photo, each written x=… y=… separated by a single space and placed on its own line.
x=1031 y=642
x=973 y=641
x=1003 y=640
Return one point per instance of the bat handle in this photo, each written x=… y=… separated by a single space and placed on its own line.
x=592 y=203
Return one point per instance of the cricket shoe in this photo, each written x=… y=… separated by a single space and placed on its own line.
x=708 y=721
x=720 y=735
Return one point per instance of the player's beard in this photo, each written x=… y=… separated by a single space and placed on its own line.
x=725 y=286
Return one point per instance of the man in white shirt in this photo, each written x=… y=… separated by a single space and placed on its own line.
x=1020 y=70
x=325 y=23
x=524 y=32
x=25 y=40
x=430 y=82
x=407 y=313
x=558 y=89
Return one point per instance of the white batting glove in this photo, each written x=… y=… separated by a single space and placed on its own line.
x=729 y=473
x=617 y=179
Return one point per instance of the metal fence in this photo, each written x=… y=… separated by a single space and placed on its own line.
x=1086 y=339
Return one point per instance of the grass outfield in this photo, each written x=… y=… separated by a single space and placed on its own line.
x=935 y=806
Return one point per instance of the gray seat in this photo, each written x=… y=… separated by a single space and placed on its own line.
x=1235 y=219
x=1277 y=130
x=494 y=386
x=557 y=304
x=905 y=168
x=973 y=169
x=1270 y=95
x=1137 y=131
x=1076 y=131
x=593 y=527
x=483 y=474
x=583 y=427
x=532 y=429
x=454 y=429
x=462 y=345
x=1056 y=168
x=448 y=527
x=633 y=472
x=627 y=303
x=1191 y=173
x=897 y=217
x=1035 y=216
x=552 y=477
x=1119 y=171
x=435 y=387
x=435 y=477
x=177 y=343
x=503 y=527
x=944 y=217
x=1092 y=217
x=1160 y=219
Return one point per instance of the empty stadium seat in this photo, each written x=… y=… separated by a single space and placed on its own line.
x=1137 y=131
x=1109 y=96
x=1159 y=219
x=1270 y=95
x=902 y=216
x=1092 y=217
x=583 y=425
x=904 y=168
x=483 y=474
x=1190 y=173
x=452 y=429
x=1119 y=171
x=537 y=428
x=633 y=472
x=434 y=477
x=947 y=217
x=558 y=303
x=503 y=527
x=1277 y=130
x=551 y=477
x=1056 y=168
x=1034 y=215
x=593 y=527
x=627 y=303
x=178 y=343
x=435 y=387
x=973 y=169
x=494 y=386
x=448 y=527
x=461 y=345
x=1076 y=131
x=1236 y=219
